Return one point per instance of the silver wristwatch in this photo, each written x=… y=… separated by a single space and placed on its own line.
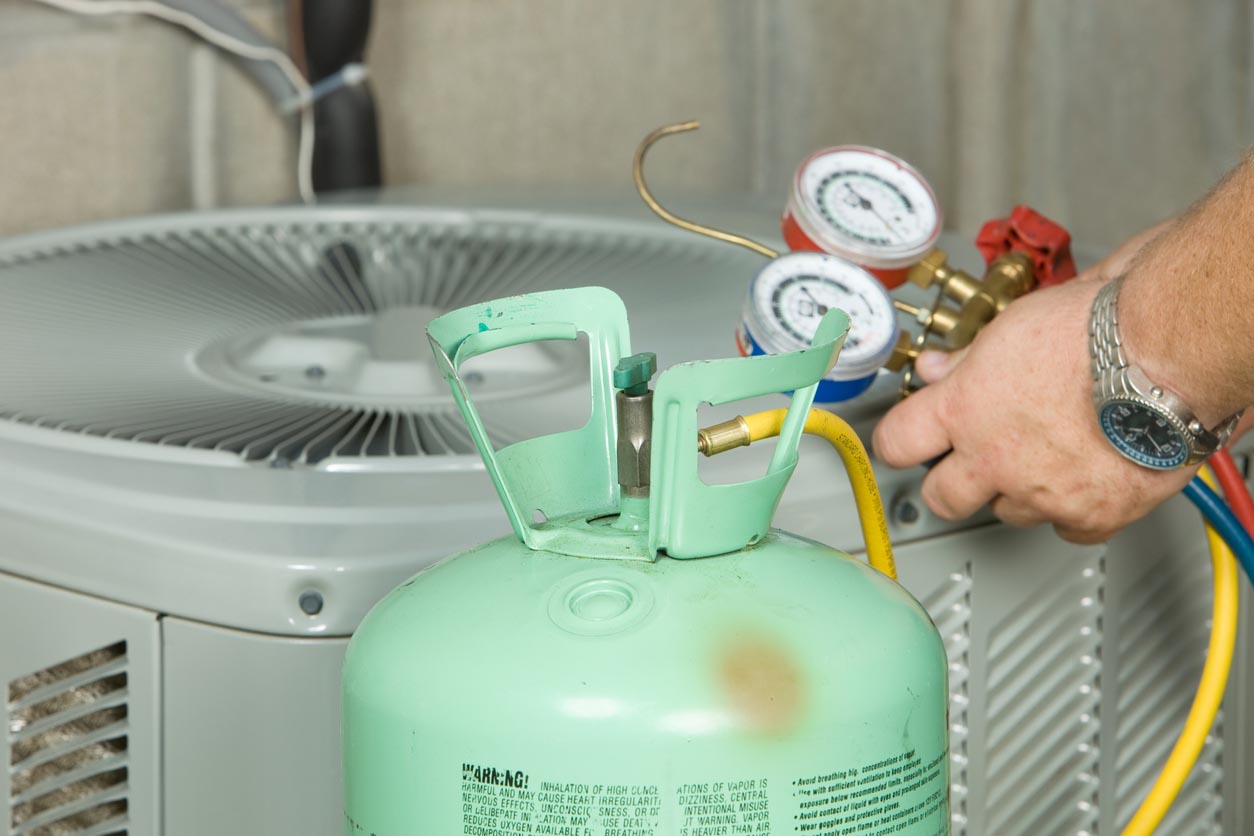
x=1149 y=424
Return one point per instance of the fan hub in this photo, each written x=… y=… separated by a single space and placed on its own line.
x=374 y=360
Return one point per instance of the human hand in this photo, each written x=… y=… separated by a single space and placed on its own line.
x=1015 y=408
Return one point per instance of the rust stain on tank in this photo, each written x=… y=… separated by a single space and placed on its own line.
x=763 y=683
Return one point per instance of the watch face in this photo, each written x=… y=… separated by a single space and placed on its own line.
x=1143 y=435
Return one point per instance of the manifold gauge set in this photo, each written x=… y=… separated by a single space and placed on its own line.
x=860 y=222
x=856 y=219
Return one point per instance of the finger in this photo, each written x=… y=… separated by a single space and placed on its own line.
x=1083 y=536
x=911 y=433
x=956 y=488
x=1012 y=513
x=933 y=365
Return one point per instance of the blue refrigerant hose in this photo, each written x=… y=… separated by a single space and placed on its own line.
x=1221 y=518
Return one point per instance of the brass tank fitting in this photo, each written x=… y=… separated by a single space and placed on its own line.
x=722 y=437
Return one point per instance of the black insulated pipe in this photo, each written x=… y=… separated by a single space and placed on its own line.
x=346 y=131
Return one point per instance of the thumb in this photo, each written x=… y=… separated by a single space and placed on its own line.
x=933 y=365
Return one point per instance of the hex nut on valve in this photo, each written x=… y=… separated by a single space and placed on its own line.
x=904 y=352
x=635 y=434
x=634 y=401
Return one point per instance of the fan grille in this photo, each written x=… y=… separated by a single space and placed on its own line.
x=108 y=334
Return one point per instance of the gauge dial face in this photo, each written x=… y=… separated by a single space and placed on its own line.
x=792 y=294
x=1143 y=435
x=870 y=202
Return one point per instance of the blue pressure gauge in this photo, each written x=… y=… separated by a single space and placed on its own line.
x=789 y=297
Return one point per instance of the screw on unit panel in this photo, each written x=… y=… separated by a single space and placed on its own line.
x=905 y=512
x=310 y=602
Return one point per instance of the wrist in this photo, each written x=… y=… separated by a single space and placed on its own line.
x=1144 y=418
x=1164 y=331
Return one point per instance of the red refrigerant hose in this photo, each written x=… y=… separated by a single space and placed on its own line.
x=1234 y=488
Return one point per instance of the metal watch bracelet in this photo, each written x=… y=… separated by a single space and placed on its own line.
x=1111 y=373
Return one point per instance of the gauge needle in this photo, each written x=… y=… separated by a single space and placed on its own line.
x=821 y=307
x=863 y=203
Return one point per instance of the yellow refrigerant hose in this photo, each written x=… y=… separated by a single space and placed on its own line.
x=820 y=422
x=1210 y=690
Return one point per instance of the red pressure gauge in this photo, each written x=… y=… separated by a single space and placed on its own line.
x=864 y=205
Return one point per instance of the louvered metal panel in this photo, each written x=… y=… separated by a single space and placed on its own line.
x=1044 y=668
x=950 y=607
x=1163 y=631
x=67 y=741
x=80 y=714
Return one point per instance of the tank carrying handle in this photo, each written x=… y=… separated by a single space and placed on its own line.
x=497 y=338
x=563 y=473
x=689 y=518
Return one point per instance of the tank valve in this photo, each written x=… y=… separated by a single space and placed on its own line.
x=634 y=401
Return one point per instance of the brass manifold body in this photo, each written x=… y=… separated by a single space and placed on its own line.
x=963 y=305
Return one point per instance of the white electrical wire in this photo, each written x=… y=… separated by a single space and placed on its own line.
x=151 y=8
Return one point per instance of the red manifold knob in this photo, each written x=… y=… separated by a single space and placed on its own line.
x=1027 y=230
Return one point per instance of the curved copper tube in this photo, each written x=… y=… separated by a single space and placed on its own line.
x=637 y=171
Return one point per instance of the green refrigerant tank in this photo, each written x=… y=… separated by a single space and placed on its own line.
x=646 y=657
